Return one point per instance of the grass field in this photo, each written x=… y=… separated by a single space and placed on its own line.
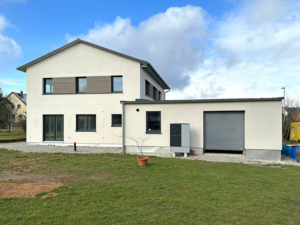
x=112 y=189
x=15 y=134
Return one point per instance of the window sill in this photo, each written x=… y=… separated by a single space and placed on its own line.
x=153 y=132
x=85 y=131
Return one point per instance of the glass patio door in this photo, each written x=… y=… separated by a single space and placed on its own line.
x=53 y=128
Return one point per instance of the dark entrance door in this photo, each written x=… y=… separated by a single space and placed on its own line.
x=53 y=128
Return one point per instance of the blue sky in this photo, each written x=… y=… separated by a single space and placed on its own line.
x=204 y=49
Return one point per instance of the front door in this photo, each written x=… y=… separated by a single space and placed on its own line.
x=53 y=128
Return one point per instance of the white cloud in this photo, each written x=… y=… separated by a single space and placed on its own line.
x=254 y=52
x=171 y=41
x=9 y=49
x=251 y=52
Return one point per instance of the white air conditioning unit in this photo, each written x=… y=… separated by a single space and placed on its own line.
x=180 y=137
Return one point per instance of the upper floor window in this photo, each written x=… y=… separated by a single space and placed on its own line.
x=12 y=106
x=117 y=84
x=154 y=93
x=159 y=95
x=153 y=122
x=19 y=106
x=48 y=86
x=86 y=122
x=147 y=89
x=81 y=85
x=20 y=117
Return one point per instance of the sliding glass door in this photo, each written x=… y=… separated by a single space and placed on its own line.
x=53 y=128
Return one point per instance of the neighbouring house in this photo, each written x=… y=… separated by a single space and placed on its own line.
x=92 y=95
x=295 y=112
x=19 y=104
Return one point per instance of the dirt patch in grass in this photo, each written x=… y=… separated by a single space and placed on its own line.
x=50 y=194
x=28 y=190
x=33 y=177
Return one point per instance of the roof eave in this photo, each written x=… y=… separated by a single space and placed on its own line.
x=205 y=100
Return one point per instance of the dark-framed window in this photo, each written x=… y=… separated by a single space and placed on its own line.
x=53 y=127
x=19 y=106
x=117 y=84
x=80 y=84
x=159 y=95
x=12 y=106
x=153 y=122
x=116 y=120
x=85 y=122
x=147 y=89
x=48 y=86
x=154 y=93
x=20 y=117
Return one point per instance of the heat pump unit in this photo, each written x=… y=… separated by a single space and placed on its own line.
x=180 y=137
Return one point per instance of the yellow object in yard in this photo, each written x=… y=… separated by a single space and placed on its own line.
x=295 y=131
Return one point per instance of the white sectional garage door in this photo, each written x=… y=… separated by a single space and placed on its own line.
x=224 y=131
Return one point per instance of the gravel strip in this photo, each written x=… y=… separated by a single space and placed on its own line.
x=212 y=157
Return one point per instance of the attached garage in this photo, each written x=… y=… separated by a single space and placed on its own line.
x=253 y=126
x=224 y=131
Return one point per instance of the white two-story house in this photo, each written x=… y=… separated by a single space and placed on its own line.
x=74 y=93
x=91 y=95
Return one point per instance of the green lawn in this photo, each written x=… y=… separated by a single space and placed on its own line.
x=17 y=134
x=112 y=189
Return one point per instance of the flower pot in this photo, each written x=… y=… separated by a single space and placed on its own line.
x=142 y=161
x=192 y=152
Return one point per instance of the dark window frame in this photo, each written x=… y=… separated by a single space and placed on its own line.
x=147 y=88
x=44 y=86
x=44 y=127
x=159 y=95
x=77 y=85
x=154 y=93
x=112 y=84
x=87 y=121
x=153 y=131
x=112 y=120
x=18 y=106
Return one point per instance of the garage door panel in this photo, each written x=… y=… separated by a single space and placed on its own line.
x=224 y=130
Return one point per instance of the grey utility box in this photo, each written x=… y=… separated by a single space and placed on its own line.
x=180 y=137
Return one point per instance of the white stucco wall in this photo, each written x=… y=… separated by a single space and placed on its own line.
x=144 y=76
x=262 y=123
x=80 y=60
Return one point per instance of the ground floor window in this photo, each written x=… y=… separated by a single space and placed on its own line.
x=153 y=122
x=86 y=122
x=116 y=120
x=53 y=127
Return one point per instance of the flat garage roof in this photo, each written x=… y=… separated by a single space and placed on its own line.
x=204 y=100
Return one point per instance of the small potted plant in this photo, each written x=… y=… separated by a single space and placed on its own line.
x=142 y=160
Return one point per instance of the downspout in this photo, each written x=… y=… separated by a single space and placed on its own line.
x=123 y=128
x=166 y=92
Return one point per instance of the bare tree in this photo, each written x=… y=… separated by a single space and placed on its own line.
x=7 y=112
x=290 y=104
x=139 y=141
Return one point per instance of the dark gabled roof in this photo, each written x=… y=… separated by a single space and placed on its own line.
x=145 y=64
x=205 y=100
x=23 y=99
